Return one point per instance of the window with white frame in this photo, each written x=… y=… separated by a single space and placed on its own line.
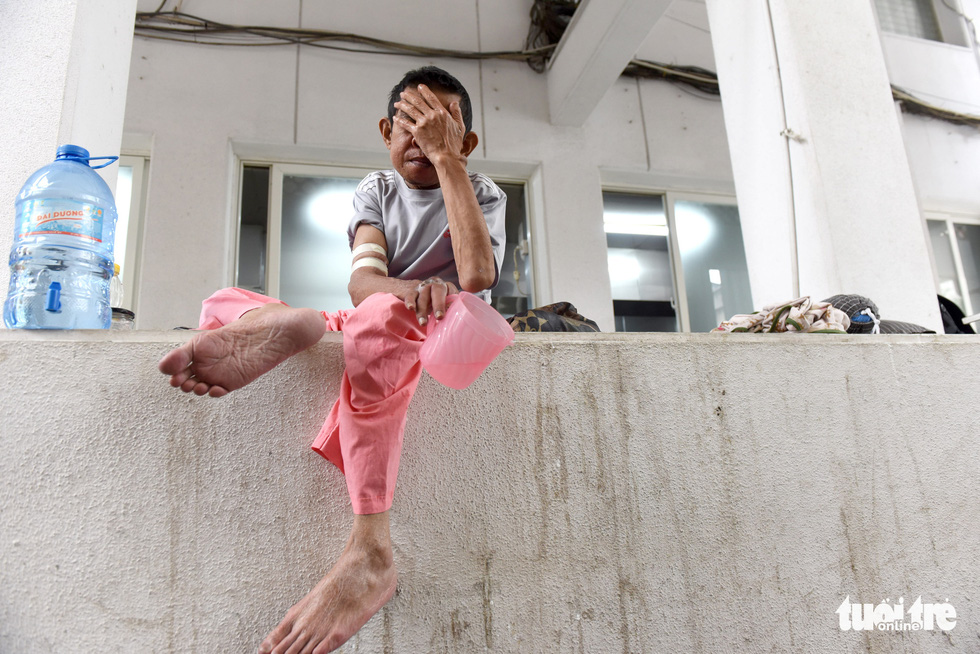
x=640 y=270
x=130 y=197
x=956 y=250
x=676 y=261
x=514 y=291
x=935 y=20
x=293 y=241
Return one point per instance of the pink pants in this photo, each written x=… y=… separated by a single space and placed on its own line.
x=363 y=433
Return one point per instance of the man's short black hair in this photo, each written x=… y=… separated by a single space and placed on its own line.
x=435 y=78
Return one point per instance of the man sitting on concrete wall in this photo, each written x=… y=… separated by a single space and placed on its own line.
x=418 y=233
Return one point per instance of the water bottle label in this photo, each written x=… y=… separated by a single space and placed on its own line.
x=61 y=217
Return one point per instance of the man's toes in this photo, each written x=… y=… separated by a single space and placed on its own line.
x=196 y=386
x=174 y=361
x=274 y=638
x=218 y=391
x=177 y=380
x=299 y=645
x=283 y=645
x=200 y=388
x=310 y=646
x=326 y=646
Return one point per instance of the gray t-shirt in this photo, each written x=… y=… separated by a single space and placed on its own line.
x=416 y=227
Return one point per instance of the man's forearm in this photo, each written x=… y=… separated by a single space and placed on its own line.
x=364 y=283
x=472 y=248
x=422 y=298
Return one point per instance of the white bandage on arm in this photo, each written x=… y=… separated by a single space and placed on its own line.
x=370 y=261
x=369 y=247
x=364 y=255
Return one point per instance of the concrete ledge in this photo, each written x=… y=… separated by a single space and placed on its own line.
x=590 y=493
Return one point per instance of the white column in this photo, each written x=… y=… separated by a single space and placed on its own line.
x=575 y=251
x=824 y=186
x=63 y=80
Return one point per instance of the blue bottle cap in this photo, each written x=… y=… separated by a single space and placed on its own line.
x=81 y=155
x=72 y=152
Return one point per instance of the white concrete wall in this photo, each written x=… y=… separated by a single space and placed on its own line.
x=194 y=100
x=604 y=493
x=37 y=114
x=943 y=156
x=840 y=194
x=64 y=69
x=198 y=105
x=191 y=107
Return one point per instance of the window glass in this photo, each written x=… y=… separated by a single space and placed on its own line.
x=968 y=241
x=639 y=262
x=253 y=230
x=312 y=265
x=124 y=201
x=515 y=287
x=942 y=249
x=130 y=202
x=716 y=278
x=315 y=258
x=909 y=17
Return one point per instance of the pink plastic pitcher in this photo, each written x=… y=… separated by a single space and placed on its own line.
x=459 y=347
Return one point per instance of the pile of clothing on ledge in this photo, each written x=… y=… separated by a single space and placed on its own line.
x=839 y=314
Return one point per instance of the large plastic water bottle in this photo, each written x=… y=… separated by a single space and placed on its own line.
x=61 y=259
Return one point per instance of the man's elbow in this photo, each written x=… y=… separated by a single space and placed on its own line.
x=474 y=281
x=356 y=293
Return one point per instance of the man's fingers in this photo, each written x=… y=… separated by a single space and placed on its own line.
x=432 y=298
x=410 y=97
x=423 y=304
x=405 y=123
x=456 y=112
x=438 y=299
x=429 y=97
x=408 y=109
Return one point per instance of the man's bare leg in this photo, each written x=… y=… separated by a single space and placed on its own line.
x=359 y=584
x=219 y=361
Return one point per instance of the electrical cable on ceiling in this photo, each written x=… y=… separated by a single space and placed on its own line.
x=549 y=20
x=545 y=33
x=185 y=28
x=695 y=76
x=913 y=105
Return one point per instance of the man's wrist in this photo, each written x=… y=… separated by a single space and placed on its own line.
x=446 y=160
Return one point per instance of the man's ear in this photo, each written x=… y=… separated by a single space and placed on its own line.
x=470 y=140
x=385 y=128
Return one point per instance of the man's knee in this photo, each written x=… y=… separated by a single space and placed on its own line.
x=381 y=312
x=228 y=304
x=381 y=328
x=381 y=303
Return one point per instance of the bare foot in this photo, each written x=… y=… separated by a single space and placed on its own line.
x=356 y=588
x=219 y=361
